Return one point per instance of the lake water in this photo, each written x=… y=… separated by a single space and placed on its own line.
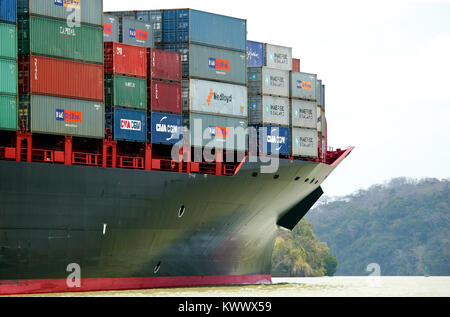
x=305 y=287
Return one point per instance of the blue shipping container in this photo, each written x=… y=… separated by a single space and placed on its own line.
x=8 y=11
x=192 y=26
x=273 y=140
x=256 y=54
x=165 y=128
x=130 y=125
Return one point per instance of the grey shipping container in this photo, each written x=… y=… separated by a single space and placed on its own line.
x=303 y=114
x=67 y=116
x=319 y=91
x=215 y=98
x=110 y=28
x=305 y=142
x=268 y=81
x=81 y=11
x=212 y=131
x=303 y=86
x=279 y=57
x=134 y=32
x=268 y=110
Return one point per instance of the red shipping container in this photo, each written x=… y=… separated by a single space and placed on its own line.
x=61 y=78
x=123 y=59
x=296 y=65
x=165 y=97
x=164 y=65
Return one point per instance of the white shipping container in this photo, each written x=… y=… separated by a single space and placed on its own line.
x=268 y=110
x=303 y=114
x=268 y=81
x=279 y=57
x=305 y=142
x=303 y=86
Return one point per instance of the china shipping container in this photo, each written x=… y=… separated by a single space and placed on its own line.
x=215 y=98
x=268 y=81
x=211 y=131
x=268 y=110
x=60 y=78
x=63 y=116
x=165 y=128
x=134 y=32
x=127 y=124
x=51 y=37
x=163 y=65
x=8 y=41
x=271 y=140
x=125 y=92
x=278 y=57
x=303 y=114
x=295 y=65
x=110 y=28
x=8 y=11
x=8 y=77
x=256 y=54
x=8 y=112
x=303 y=86
x=123 y=59
x=193 y=26
x=164 y=97
x=88 y=11
x=305 y=142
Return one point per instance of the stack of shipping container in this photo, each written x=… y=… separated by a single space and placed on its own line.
x=321 y=119
x=8 y=65
x=61 y=67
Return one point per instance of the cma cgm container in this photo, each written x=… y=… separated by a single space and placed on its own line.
x=256 y=54
x=165 y=128
x=53 y=115
x=51 y=37
x=128 y=125
x=8 y=77
x=8 y=11
x=303 y=86
x=8 y=112
x=135 y=32
x=268 y=81
x=279 y=57
x=268 y=110
x=88 y=11
x=60 y=78
x=163 y=65
x=165 y=96
x=110 y=28
x=305 y=142
x=123 y=59
x=192 y=26
x=8 y=41
x=215 y=98
x=125 y=92
x=271 y=139
x=303 y=114
x=212 y=131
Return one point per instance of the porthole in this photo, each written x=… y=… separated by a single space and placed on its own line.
x=297 y=179
x=306 y=180
x=276 y=177
x=317 y=182
x=181 y=211
x=312 y=180
x=255 y=174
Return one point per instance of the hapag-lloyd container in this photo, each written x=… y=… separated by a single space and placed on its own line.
x=123 y=59
x=212 y=131
x=128 y=125
x=8 y=11
x=8 y=112
x=303 y=114
x=305 y=142
x=295 y=65
x=62 y=116
x=268 y=81
x=51 y=37
x=193 y=26
x=303 y=86
x=165 y=128
x=165 y=97
x=279 y=57
x=110 y=28
x=126 y=92
x=268 y=110
x=272 y=139
x=60 y=78
x=134 y=32
x=163 y=65
x=84 y=11
x=256 y=54
x=8 y=41
x=215 y=98
x=8 y=77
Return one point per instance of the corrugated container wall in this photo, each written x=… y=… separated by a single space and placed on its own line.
x=279 y=57
x=126 y=92
x=303 y=86
x=122 y=59
x=8 y=77
x=268 y=110
x=8 y=41
x=255 y=54
x=305 y=143
x=268 y=81
x=272 y=139
x=303 y=114
x=63 y=116
x=110 y=28
x=163 y=65
x=134 y=32
x=8 y=11
x=165 y=97
x=215 y=98
x=8 y=112
x=165 y=128
x=295 y=65
x=154 y=17
x=87 y=11
x=128 y=125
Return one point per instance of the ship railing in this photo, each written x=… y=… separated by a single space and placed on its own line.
x=89 y=159
x=7 y=153
x=131 y=162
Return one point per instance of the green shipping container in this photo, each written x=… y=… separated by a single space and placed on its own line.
x=50 y=37
x=126 y=92
x=8 y=77
x=8 y=41
x=8 y=113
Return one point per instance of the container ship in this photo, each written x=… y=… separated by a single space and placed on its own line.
x=149 y=149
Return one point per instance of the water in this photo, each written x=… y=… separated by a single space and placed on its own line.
x=304 y=287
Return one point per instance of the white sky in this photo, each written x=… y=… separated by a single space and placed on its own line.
x=386 y=67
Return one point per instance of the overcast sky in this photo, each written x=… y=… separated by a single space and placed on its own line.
x=386 y=67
